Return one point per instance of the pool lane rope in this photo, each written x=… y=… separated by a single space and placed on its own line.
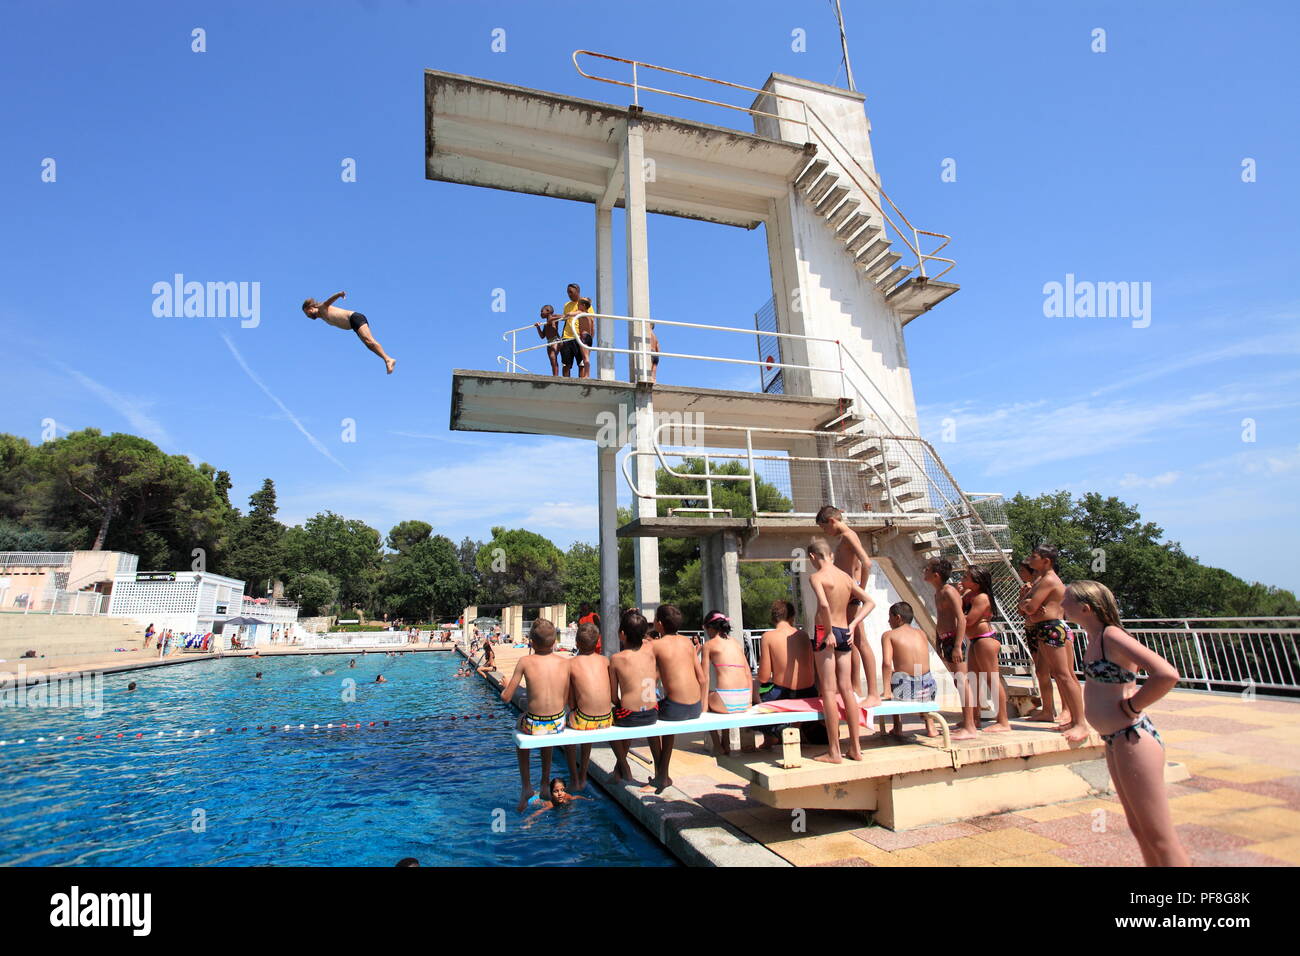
x=265 y=728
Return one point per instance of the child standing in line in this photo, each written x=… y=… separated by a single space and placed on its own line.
x=1116 y=705
x=832 y=645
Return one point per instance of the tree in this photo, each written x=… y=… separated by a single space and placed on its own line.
x=347 y=549
x=581 y=577
x=520 y=567
x=255 y=548
x=407 y=534
x=315 y=591
x=426 y=581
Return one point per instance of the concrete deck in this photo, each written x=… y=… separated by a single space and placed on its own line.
x=1239 y=806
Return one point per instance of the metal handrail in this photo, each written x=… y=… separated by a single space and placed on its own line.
x=914 y=244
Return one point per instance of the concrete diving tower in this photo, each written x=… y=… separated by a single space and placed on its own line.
x=848 y=271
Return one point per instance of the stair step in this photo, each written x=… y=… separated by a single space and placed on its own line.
x=863 y=238
x=824 y=185
x=873 y=250
x=842 y=213
x=878 y=267
x=832 y=199
x=811 y=173
x=895 y=277
x=850 y=416
x=852 y=225
x=908 y=496
x=894 y=482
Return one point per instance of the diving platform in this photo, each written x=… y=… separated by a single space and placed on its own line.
x=518 y=403
x=483 y=133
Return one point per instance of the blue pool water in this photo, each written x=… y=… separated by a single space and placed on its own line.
x=429 y=788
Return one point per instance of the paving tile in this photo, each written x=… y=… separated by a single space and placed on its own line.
x=1220 y=800
x=967 y=851
x=1287 y=850
x=1000 y=821
x=1232 y=858
x=1258 y=825
x=1035 y=860
x=897 y=840
x=1113 y=852
x=1199 y=837
x=1019 y=842
x=854 y=861
x=819 y=849
x=1077 y=831
x=1053 y=812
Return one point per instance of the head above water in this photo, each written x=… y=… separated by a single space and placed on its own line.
x=558 y=788
x=542 y=635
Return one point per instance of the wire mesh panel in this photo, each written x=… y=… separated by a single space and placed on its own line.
x=769 y=349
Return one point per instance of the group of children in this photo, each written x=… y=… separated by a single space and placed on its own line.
x=661 y=675
x=570 y=336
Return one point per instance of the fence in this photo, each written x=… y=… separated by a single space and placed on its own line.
x=56 y=601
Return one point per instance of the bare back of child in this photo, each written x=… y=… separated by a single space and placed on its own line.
x=686 y=686
x=590 y=700
x=905 y=664
x=632 y=676
x=546 y=676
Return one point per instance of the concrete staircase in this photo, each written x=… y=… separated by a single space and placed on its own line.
x=856 y=222
x=60 y=638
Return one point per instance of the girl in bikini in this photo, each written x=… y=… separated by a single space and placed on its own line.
x=1115 y=705
x=734 y=688
x=977 y=605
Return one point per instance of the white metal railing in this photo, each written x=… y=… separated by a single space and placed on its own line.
x=818 y=132
x=54 y=601
x=35 y=559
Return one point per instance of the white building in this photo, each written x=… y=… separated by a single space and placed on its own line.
x=185 y=601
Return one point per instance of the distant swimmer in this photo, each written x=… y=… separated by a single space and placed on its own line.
x=131 y=686
x=345 y=319
x=257 y=676
x=352 y=663
x=381 y=679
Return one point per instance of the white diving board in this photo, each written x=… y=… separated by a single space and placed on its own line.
x=754 y=717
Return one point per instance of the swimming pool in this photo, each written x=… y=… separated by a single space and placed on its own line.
x=425 y=786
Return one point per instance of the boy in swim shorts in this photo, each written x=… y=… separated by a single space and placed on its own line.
x=950 y=622
x=686 y=686
x=546 y=675
x=590 y=703
x=345 y=319
x=631 y=684
x=551 y=333
x=832 y=645
x=905 y=664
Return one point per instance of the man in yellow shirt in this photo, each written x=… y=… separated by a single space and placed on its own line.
x=571 y=349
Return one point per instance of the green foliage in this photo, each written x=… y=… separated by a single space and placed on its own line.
x=347 y=549
x=1106 y=540
x=581 y=577
x=315 y=591
x=407 y=534
x=520 y=567
x=254 y=554
x=425 y=580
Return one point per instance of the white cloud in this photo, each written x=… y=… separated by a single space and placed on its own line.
x=315 y=442
x=132 y=409
x=1131 y=480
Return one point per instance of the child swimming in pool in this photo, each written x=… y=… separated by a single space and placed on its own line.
x=733 y=690
x=590 y=703
x=546 y=675
x=558 y=795
x=905 y=664
x=347 y=319
x=1115 y=705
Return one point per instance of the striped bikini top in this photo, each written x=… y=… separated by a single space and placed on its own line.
x=1105 y=671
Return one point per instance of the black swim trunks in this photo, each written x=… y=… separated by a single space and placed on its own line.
x=635 y=718
x=570 y=352
x=672 y=710
x=356 y=320
x=843 y=639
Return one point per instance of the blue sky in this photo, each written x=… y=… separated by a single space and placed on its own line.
x=224 y=166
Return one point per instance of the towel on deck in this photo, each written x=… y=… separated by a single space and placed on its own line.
x=810 y=703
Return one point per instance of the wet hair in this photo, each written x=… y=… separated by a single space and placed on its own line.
x=903 y=611
x=588 y=637
x=941 y=567
x=828 y=513
x=542 y=633
x=670 y=616
x=1096 y=596
x=717 y=621
x=131 y=686
x=821 y=546
x=1048 y=552
x=633 y=627
x=782 y=610
x=983 y=580
x=408 y=861
x=550 y=786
